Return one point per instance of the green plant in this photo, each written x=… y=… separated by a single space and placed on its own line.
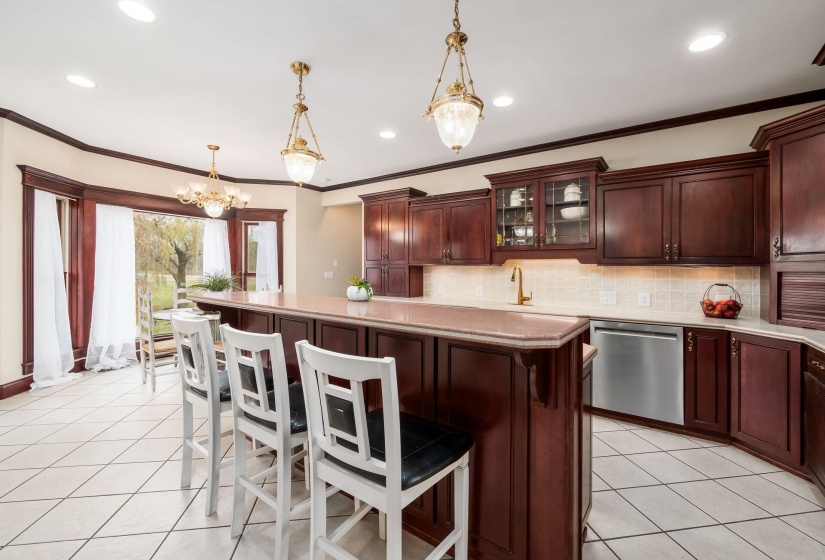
x=360 y=283
x=217 y=281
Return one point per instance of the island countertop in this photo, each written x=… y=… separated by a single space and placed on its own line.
x=509 y=328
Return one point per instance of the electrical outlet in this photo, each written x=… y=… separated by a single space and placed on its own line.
x=335 y=262
x=479 y=291
x=607 y=298
x=328 y=275
x=644 y=299
x=439 y=289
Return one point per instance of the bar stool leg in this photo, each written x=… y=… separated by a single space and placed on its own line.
x=394 y=532
x=382 y=524
x=318 y=517
x=188 y=429
x=306 y=466
x=238 y=490
x=461 y=486
x=213 y=476
x=284 y=489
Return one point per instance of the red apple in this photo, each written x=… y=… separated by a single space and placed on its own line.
x=730 y=314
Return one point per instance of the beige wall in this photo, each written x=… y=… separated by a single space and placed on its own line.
x=715 y=138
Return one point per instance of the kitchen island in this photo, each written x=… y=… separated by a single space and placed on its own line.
x=512 y=380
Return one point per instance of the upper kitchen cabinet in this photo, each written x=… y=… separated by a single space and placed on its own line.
x=545 y=212
x=385 y=225
x=450 y=229
x=710 y=211
x=797 y=185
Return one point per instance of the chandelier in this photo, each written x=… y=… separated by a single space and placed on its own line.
x=457 y=112
x=300 y=161
x=208 y=195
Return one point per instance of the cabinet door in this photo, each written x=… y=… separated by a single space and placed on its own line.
x=428 y=234
x=396 y=281
x=516 y=217
x=568 y=214
x=374 y=228
x=375 y=276
x=766 y=396
x=468 y=232
x=706 y=379
x=341 y=338
x=815 y=418
x=396 y=233
x=587 y=442
x=798 y=196
x=634 y=222
x=256 y=322
x=292 y=330
x=720 y=218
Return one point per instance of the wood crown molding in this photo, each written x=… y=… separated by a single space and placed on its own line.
x=75 y=143
x=695 y=118
x=788 y=125
x=450 y=197
x=597 y=164
x=408 y=192
x=706 y=165
x=63 y=186
x=819 y=60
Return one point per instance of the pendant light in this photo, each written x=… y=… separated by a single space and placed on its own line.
x=209 y=196
x=300 y=161
x=457 y=112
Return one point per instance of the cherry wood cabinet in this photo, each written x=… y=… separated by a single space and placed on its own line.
x=292 y=330
x=587 y=442
x=766 y=396
x=814 y=418
x=255 y=321
x=395 y=280
x=450 y=229
x=706 y=379
x=385 y=225
x=545 y=212
x=710 y=211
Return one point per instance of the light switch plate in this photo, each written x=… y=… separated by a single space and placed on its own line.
x=328 y=274
x=644 y=299
x=607 y=297
x=439 y=289
x=335 y=262
x=479 y=291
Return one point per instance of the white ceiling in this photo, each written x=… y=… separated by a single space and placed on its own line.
x=210 y=71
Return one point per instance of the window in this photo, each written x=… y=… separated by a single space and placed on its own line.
x=250 y=256
x=168 y=257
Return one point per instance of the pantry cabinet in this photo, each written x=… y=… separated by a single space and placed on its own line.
x=766 y=396
x=711 y=211
x=450 y=229
x=706 y=379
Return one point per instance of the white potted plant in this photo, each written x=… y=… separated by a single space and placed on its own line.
x=216 y=281
x=359 y=289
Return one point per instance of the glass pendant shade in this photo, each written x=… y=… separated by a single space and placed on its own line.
x=300 y=167
x=213 y=208
x=456 y=122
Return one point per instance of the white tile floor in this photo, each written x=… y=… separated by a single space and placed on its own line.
x=92 y=470
x=660 y=495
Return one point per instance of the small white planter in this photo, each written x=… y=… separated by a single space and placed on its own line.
x=354 y=293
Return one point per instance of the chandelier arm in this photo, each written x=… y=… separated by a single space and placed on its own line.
x=469 y=75
x=291 y=128
x=440 y=75
x=312 y=132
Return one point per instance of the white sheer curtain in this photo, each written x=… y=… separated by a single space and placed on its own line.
x=53 y=357
x=266 y=267
x=113 y=332
x=216 y=247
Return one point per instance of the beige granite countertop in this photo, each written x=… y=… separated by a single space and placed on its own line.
x=760 y=327
x=506 y=327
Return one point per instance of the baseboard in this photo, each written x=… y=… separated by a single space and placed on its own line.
x=15 y=387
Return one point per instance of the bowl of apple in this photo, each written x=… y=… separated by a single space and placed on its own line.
x=723 y=308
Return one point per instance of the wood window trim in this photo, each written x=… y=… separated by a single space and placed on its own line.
x=82 y=244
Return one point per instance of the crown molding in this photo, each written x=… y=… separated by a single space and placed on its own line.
x=597 y=164
x=706 y=165
x=820 y=57
x=408 y=192
x=788 y=125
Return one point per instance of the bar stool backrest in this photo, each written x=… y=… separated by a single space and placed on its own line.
x=337 y=416
x=145 y=326
x=196 y=353
x=247 y=375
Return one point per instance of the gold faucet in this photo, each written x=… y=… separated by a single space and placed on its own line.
x=521 y=297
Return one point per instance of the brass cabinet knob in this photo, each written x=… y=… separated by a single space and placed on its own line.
x=734 y=347
x=776 y=248
x=675 y=252
x=818 y=365
x=690 y=342
x=667 y=252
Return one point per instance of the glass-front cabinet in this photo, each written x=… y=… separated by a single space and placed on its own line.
x=546 y=209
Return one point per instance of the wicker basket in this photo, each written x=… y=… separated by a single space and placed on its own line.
x=722 y=309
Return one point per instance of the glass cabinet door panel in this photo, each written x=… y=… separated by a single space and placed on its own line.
x=567 y=211
x=514 y=216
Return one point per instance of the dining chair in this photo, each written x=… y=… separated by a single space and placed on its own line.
x=383 y=458
x=276 y=418
x=153 y=354
x=203 y=384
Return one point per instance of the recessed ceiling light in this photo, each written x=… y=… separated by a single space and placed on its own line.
x=136 y=10
x=503 y=101
x=707 y=42
x=387 y=134
x=81 y=81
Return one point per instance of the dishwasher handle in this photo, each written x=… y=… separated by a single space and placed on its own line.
x=636 y=333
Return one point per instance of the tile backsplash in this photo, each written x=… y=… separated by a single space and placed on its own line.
x=566 y=283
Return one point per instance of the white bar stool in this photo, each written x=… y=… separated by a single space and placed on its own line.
x=361 y=453
x=276 y=418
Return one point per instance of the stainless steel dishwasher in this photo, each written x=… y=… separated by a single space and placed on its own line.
x=639 y=370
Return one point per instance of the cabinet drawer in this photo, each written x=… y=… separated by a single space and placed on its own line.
x=815 y=364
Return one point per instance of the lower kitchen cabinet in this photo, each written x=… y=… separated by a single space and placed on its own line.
x=766 y=396
x=706 y=379
x=292 y=330
x=587 y=442
x=395 y=280
x=814 y=419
